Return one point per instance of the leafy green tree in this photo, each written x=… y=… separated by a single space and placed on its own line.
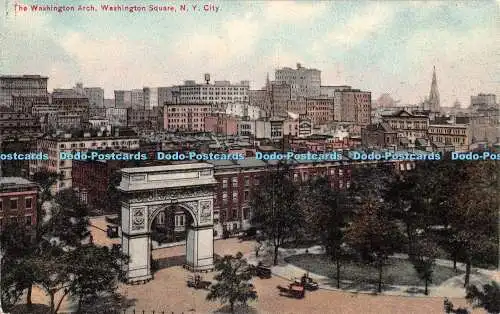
x=53 y=274
x=68 y=222
x=232 y=281
x=474 y=215
x=373 y=235
x=276 y=208
x=488 y=298
x=95 y=271
x=326 y=216
x=46 y=180
x=423 y=259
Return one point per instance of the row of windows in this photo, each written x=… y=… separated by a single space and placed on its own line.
x=19 y=220
x=13 y=204
x=94 y=144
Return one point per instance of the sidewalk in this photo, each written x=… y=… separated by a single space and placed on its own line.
x=451 y=288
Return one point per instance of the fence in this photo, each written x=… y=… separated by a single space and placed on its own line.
x=133 y=311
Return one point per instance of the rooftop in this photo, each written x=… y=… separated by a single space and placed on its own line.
x=15 y=182
x=177 y=167
x=34 y=77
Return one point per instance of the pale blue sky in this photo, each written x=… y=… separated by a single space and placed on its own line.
x=385 y=47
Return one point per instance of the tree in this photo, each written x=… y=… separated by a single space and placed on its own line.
x=95 y=272
x=53 y=274
x=46 y=181
x=373 y=235
x=276 y=208
x=326 y=216
x=474 y=214
x=423 y=259
x=68 y=222
x=232 y=281
x=18 y=274
x=488 y=298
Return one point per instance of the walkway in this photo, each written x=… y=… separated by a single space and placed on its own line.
x=451 y=288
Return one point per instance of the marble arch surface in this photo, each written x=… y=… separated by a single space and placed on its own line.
x=147 y=191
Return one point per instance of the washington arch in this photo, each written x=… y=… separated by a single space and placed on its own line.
x=147 y=191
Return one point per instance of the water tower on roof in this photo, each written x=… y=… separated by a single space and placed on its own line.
x=207 y=78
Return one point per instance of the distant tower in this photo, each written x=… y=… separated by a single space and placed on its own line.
x=434 y=103
x=207 y=78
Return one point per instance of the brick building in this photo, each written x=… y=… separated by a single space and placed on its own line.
x=18 y=198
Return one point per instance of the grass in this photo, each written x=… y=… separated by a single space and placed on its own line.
x=396 y=272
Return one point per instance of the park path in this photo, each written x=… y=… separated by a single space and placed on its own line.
x=451 y=288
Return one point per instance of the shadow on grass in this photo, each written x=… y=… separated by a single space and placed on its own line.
x=114 y=303
x=358 y=276
x=34 y=309
x=238 y=309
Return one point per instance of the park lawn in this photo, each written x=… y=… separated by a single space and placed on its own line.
x=396 y=272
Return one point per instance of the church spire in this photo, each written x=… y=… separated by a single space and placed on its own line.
x=434 y=102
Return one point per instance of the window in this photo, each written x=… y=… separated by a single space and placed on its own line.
x=224 y=198
x=235 y=181
x=28 y=203
x=28 y=220
x=235 y=196
x=13 y=203
x=1 y=205
x=224 y=183
x=246 y=195
x=247 y=181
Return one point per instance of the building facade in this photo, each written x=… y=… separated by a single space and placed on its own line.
x=221 y=124
x=21 y=85
x=353 y=105
x=379 y=135
x=408 y=125
x=456 y=135
x=18 y=199
x=18 y=123
x=95 y=96
x=66 y=143
x=303 y=82
x=186 y=117
x=220 y=92
x=73 y=109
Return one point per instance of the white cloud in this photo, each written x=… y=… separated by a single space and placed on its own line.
x=368 y=21
x=291 y=11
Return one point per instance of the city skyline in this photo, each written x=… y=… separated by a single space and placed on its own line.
x=245 y=41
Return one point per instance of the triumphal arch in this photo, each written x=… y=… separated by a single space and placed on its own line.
x=148 y=191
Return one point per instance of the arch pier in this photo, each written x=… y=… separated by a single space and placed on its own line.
x=148 y=191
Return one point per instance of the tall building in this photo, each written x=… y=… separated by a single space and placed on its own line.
x=151 y=99
x=72 y=108
x=123 y=99
x=304 y=82
x=220 y=92
x=482 y=101
x=21 y=85
x=137 y=98
x=433 y=103
x=95 y=95
x=352 y=105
